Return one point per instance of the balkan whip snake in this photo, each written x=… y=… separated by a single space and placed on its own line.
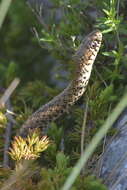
x=84 y=59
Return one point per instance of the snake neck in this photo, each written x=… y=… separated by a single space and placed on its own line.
x=84 y=59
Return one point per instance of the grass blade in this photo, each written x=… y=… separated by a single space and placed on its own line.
x=4 y=6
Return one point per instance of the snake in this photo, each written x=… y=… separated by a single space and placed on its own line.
x=84 y=59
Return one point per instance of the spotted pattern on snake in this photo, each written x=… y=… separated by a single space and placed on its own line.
x=84 y=59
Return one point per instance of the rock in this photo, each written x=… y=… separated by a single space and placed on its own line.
x=113 y=163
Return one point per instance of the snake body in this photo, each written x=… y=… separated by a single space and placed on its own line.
x=84 y=59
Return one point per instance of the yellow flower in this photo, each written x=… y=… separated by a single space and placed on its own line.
x=28 y=148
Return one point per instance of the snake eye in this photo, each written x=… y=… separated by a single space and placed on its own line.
x=93 y=45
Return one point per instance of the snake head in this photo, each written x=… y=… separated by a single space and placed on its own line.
x=89 y=47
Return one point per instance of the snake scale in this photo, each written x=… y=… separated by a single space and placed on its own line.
x=84 y=59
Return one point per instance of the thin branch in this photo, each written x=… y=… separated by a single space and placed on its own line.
x=83 y=128
x=38 y=38
x=5 y=101
x=83 y=131
x=9 y=91
x=99 y=75
x=39 y=17
x=8 y=132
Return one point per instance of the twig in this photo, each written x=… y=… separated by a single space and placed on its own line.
x=39 y=17
x=37 y=36
x=7 y=136
x=101 y=78
x=117 y=16
x=9 y=91
x=103 y=150
x=83 y=128
x=4 y=101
